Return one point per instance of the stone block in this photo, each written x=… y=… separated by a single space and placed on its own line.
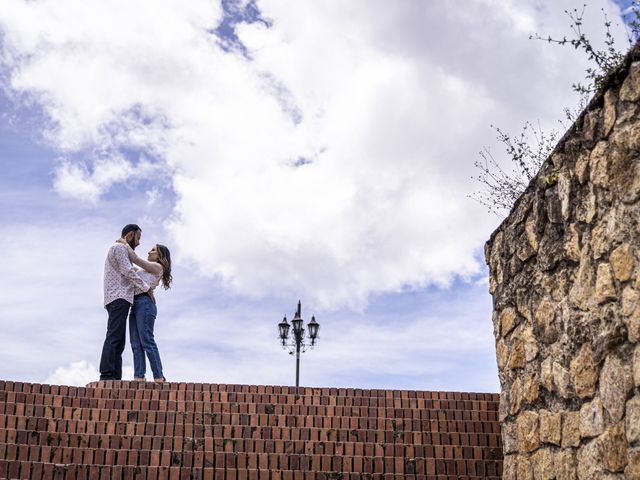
x=509 y=441
x=633 y=326
x=493 y=284
x=630 y=90
x=591 y=419
x=507 y=320
x=598 y=161
x=551 y=249
x=632 y=420
x=625 y=169
x=562 y=380
x=517 y=358
x=503 y=406
x=528 y=431
x=622 y=261
x=564 y=194
x=570 y=429
x=610 y=101
x=582 y=290
x=583 y=372
x=545 y=320
x=615 y=383
x=636 y=366
x=630 y=297
x=546 y=374
x=605 y=290
x=495 y=260
x=613 y=448
x=531 y=387
x=589 y=461
x=542 y=461
x=530 y=344
x=590 y=124
x=510 y=467
x=586 y=208
x=572 y=243
x=632 y=470
x=502 y=354
x=565 y=465
x=525 y=468
x=530 y=229
x=581 y=169
x=611 y=334
x=550 y=427
x=524 y=251
x=626 y=138
x=602 y=234
x=522 y=303
x=515 y=397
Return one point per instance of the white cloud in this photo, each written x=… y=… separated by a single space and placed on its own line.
x=335 y=163
x=74 y=179
x=77 y=373
x=81 y=373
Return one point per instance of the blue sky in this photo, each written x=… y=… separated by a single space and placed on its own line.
x=321 y=153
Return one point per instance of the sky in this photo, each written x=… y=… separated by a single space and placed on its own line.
x=283 y=151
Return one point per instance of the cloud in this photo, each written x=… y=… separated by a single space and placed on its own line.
x=329 y=159
x=74 y=179
x=81 y=373
x=77 y=373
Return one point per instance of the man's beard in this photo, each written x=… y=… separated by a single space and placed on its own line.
x=132 y=243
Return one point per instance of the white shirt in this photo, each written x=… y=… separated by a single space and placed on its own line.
x=151 y=279
x=120 y=278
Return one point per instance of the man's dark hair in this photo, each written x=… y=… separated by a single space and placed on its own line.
x=132 y=227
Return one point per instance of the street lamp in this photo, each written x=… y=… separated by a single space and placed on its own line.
x=298 y=340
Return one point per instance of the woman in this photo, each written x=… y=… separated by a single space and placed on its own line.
x=156 y=269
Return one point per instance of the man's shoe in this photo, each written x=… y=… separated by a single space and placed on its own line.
x=160 y=380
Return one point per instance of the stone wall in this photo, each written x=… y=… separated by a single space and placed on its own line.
x=565 y=279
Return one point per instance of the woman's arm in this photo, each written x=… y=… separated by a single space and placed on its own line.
x=151 y=267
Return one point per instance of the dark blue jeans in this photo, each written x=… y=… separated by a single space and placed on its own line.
x=111 y=359
x=141 y=322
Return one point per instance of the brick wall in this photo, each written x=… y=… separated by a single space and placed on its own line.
x=122 y=430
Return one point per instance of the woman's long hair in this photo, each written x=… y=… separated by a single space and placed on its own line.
x=164 y=259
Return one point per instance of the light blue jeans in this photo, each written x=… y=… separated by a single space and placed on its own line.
x=141 y=321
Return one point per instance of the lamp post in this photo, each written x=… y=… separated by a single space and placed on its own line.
x=297 y=338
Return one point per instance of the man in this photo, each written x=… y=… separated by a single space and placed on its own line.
x=120 y=280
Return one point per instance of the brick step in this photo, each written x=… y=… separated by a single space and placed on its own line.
x=226 y=445
x=124 y=385
x=455 y=418
x=270 y=399
x=199 y=422
x=336 y=391
x=439 y=470
x=468 y=412
x=240 y=461
x=240 y=432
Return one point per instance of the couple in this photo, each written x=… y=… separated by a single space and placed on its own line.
x=128 y=287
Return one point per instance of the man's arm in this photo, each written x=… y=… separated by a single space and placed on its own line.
x=124 y=266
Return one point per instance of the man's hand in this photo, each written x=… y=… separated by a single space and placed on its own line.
x=151 y=295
